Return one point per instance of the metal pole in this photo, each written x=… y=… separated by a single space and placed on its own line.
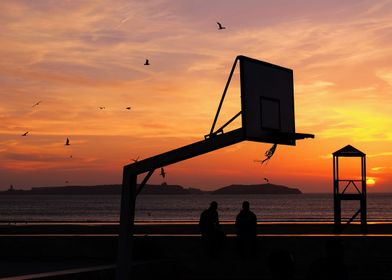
x=363 y=198
x=223 y=96
x=127 y=217
x=336 y=196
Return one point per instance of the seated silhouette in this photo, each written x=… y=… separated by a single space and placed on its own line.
x=211 y=232
x=246 y=226
x=332 y=265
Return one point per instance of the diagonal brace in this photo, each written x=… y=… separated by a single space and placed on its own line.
x=220 y=130
x=223 y=96
x=145 y=180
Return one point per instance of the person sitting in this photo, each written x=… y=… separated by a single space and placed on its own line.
x=210 y=229
x=246 y=226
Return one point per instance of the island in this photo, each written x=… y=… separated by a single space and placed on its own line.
x=257 y=189
x=162 y=189
x=114 y=189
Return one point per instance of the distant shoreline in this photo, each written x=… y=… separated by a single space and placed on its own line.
x=163 y=189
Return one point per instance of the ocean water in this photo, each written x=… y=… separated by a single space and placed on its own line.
x=106 y=208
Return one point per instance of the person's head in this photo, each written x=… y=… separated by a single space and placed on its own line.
x=213 y=205
x=245 y=205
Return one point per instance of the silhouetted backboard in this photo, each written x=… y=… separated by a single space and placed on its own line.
x=267 y=101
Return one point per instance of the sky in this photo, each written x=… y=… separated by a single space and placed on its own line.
x=77 y=56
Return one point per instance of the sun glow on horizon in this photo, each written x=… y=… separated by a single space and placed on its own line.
x=370 y=181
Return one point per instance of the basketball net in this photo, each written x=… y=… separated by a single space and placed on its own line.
x=269 y=153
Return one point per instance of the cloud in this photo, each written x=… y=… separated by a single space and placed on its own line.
x=314 y=86
x=329 y=156
x=383 y=154
x=386 y=76
x=31 y=157
x=381 y=169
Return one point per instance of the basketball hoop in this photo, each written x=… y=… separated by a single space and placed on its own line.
x=267 y=104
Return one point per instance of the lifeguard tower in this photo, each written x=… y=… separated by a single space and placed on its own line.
x=342 y=187
x=267 y=111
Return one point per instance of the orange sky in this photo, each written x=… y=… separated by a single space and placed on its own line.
x=78 y=55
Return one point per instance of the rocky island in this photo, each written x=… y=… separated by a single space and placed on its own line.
x=148 y=189
x=257 y=189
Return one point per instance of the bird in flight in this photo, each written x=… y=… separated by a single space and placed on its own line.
x=136 y=160
x=128 y=108
x=163 y=173
x=67 y=142
x=25 y=134
x=147 y=62
x=220 y=27
x=101 y=107
x=36 y=104
x=266 y=179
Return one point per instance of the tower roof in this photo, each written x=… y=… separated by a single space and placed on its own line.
x=349 y=151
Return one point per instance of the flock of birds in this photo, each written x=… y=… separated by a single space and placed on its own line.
x=67 y=142
x=268 y=154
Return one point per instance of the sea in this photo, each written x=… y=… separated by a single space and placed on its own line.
x=158 y=208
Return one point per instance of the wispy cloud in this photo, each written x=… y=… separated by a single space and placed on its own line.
x=385 y=75
x=383 y=154
x=381 y=169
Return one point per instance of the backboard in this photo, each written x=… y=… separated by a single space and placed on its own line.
x=267 y=102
